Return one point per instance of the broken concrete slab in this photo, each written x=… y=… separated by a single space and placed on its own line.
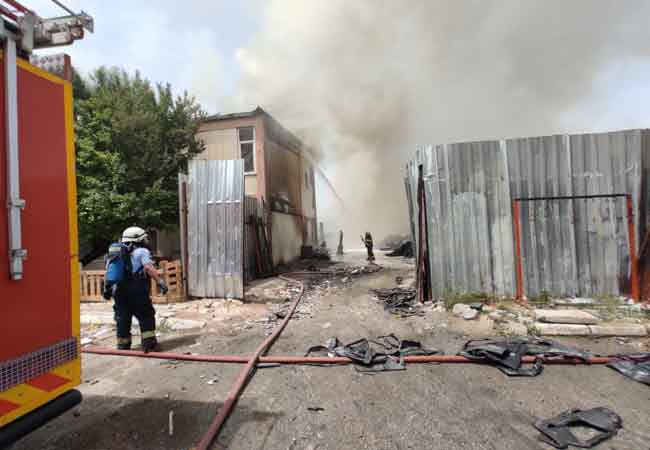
x=181 y=324
x=618 y=330
x=566 y=316
x=97 y=318
x=575 y=301
x=561 y=329
x=470 y=314
x=459 y=309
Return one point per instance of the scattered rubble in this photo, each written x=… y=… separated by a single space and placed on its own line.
x=405 y=249
x=467 y=312
x=399 y=301
x=392 y=241
x=470 y=314
x=459 y=309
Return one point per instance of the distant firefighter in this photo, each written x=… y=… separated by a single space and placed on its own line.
x=339 y=249
x=367 y=241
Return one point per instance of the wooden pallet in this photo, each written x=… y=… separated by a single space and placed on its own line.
x=92 y=284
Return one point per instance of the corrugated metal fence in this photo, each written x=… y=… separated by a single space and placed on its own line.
x=215 y=196
x=568 y=247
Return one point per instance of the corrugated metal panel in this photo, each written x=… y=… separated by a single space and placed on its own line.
x=470 y=227
x=644 y=210
x=541 y=167
x=215 y=228
x=572 y=247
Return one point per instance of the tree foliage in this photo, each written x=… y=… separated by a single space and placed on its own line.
x=132 y=140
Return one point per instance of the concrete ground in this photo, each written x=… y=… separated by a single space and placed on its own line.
x=127 y=401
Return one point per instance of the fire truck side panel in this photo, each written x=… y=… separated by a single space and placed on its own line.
x=39 y=315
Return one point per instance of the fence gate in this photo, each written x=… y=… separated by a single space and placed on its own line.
x=576 y=245
x=215 y=194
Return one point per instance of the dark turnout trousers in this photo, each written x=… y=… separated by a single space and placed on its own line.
x=133 y=299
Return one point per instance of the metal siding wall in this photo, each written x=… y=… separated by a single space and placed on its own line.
x=605 y=163
x=644 y=210
x=215 y=228
x=541 y=167
x=569 y=247
x=470 y=229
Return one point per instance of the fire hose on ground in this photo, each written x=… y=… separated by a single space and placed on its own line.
x=337 y=360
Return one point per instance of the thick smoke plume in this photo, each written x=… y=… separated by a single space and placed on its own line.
x=367 y=81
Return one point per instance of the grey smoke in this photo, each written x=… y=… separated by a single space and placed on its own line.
x=367 y=81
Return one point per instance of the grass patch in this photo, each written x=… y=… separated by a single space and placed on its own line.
x=608 y=306
x=452 y=298
x=508 y=306
x=533 y=330
x=543 y=298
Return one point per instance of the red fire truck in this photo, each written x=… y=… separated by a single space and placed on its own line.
x=39 y=271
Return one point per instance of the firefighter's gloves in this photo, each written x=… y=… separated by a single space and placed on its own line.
x=163 y=287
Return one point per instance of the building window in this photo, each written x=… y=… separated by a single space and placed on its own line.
x=247 y=148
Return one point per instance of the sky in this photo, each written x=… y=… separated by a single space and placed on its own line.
x=367 y=81
x=191 y=44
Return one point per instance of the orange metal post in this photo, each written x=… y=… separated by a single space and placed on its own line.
x=519 y=272
x=634 y=273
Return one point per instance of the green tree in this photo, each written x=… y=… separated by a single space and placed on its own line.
x=132 y=140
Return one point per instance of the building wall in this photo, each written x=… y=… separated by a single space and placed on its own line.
x=283 y=178
x=219 y=144
x=287 y=240
x=222 y=143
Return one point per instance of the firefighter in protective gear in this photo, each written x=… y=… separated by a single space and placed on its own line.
x=367 y=241
x=132 y=296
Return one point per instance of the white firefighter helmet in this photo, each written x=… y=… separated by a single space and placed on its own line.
x=134 y=234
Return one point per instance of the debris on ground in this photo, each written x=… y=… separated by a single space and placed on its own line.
x=330 y=281
x=97 y=336
x=635 y=366
x=557 y=431
x=385 y=353
x=392 y=242
x=309 y=252
x=467 y=312
x=322 y=253
x=356 y=271
x=405 y=250
x=400 y=301
x=506 y=354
